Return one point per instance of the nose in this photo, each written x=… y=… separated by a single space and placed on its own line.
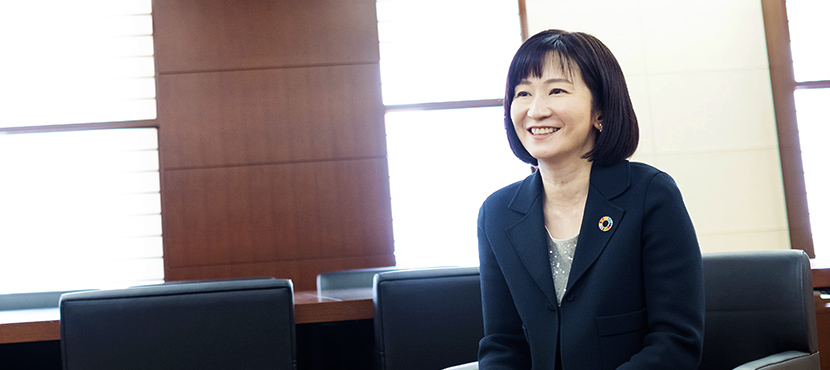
x=538 y=109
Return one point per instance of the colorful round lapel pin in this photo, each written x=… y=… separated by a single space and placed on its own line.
x=605 y=223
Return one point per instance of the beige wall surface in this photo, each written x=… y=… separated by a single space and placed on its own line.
x=699 y=79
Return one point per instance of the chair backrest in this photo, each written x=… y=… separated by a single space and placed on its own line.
x=350 y=279
x=757 y=304
x=427 y=318
x=229 y=324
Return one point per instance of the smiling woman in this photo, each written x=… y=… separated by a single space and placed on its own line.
x=577 y=267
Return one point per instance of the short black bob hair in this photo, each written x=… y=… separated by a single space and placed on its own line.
x=604 y=78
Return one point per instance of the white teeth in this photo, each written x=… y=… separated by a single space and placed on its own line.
x=543 y=130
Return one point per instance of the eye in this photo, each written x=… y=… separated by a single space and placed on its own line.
x=557 y=91
x=520 y=94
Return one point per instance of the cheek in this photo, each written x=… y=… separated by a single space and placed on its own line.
x=516 y=115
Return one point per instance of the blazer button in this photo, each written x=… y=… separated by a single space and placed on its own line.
x=569 y=298
x=551 y=306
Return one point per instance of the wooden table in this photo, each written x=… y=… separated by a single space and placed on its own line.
x=34 y=325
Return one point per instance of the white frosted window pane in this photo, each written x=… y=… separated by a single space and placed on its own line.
x=809 y=35
x=449 y=160
x=432 y=51
x=75 y=204
x=813 y=131
x=80 y=61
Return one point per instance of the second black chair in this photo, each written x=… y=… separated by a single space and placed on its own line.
x=427 y=318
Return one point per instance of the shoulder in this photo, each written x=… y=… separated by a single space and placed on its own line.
x=504 y=196
x=511 y=201
x=656 y=188
x=650 y=177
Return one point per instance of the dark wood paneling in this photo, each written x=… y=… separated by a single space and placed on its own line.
x=277 y=212
x=264 y=116
x=303 y=273
x=271 y=138
x=208 y=35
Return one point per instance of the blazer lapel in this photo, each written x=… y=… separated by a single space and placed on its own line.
x=528 y=234
x=606 y=184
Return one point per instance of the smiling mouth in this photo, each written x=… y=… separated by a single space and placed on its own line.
x=543 y=130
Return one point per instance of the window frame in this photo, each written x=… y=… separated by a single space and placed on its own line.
x=782 y=78
x=150 y=123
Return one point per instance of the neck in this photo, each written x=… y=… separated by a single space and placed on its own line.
x=566 y=183
x=566 y=191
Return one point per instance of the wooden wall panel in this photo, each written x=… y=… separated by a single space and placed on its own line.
x=277 y=212
x=209 y=35
x=271 y=138
x=265 y=116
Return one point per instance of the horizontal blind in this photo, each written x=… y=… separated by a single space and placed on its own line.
x=79 y=209
x=77 y=61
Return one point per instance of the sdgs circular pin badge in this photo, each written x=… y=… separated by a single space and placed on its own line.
x=605 y=223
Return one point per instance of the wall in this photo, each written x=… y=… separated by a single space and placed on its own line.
x=271 y=138
x=699 y=79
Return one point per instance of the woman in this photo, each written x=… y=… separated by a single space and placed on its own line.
x=592 y=261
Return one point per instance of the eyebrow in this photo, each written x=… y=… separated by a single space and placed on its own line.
x=548 y=81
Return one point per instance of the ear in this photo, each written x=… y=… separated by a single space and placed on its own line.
x=597 y=121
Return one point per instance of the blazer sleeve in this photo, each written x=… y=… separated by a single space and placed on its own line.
x=673 y=282
x=504 y=345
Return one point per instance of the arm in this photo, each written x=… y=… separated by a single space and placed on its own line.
x=673 y=282
x=504 y=345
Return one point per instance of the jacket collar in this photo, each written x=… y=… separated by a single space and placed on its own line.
x=529 y=238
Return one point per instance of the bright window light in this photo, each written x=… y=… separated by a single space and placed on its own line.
x=442 y=165
x=76 y=61
x=445 y=161
x=809 y=32
x=445 y=50
x=79 y=209
x=812 y=132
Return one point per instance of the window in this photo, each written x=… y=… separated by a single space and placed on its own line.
x=79 y=196
x=795 y=32
x=442 y=74
x=808 y=34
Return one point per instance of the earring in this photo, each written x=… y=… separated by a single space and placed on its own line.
x=600 y=127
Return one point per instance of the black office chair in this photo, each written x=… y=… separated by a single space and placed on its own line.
x=230 y=324
x=427 y=318
x=760 y=311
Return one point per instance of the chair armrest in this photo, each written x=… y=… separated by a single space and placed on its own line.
x=467 y=366
x=790 y=360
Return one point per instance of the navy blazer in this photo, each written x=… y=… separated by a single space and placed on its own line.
x=634 y=298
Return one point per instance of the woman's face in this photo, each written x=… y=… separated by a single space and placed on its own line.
x=553 y=114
